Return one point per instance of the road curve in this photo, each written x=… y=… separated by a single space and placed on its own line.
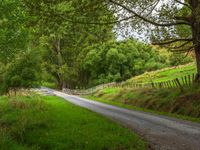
x=163 y=133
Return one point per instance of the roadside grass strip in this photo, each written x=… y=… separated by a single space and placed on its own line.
x=50 y=123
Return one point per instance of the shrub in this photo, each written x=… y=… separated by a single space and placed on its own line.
x=22 y=72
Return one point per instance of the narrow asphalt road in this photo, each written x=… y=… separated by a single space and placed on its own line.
x=163 y=133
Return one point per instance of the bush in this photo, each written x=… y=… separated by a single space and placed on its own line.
x=23 y=72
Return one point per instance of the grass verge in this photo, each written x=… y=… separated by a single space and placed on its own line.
x=47 y=122
x=168 y=102
x=164 y=74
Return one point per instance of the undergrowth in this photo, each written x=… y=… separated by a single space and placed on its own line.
x=173 y=101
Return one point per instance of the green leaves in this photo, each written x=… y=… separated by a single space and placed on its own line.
x=64 y=29
x=14 y=36
x=22 y=72
x=118 y=61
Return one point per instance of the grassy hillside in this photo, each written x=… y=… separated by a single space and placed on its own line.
x=183 y=103
x=164 y=74
x=41 y=123
x=171 y=102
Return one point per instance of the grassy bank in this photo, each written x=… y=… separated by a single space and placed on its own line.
x=41 y=123
x=170 y=102
x=164 y=74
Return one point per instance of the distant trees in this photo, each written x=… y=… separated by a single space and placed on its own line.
x=173 y=23
x=64 y=30
x=118 y=61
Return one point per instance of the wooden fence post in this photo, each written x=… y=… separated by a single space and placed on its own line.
x=152 y=84
x=193 y=77
x=189 y=80
x=186 y=80
x=174 y=83
x=160 y=85
x=179 y=84
x=183 y=80
x=168 y=82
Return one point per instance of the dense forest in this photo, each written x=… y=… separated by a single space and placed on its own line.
x=75 y=44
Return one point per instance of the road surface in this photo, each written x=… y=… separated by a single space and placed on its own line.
x=163 y=133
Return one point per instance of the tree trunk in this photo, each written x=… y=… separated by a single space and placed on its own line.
x=197 y=53
x=57 y=48
x=63 y=85
x=195 y=21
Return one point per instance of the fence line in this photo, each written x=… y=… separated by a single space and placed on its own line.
x=174 y=83
x=90 y=90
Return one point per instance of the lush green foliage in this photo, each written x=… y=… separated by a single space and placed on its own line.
x=118 y=61
x=19 y=64
x=37 y=123
x=63 y=33
x=14 y=36
x=73 y=37
x=22 y=72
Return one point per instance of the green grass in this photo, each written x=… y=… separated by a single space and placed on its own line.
x=49 y=85
x=50 y=123
x=164 y=74
x=169 y=102
x=110 y=90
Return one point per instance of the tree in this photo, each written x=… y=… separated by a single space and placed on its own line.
x=22 y=72
x=63 y=35
x=166 y=19
x=118 y=61
x=14 y=43
x=14 y=36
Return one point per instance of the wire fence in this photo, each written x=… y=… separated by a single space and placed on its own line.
x=174 y=83
x=90 y=90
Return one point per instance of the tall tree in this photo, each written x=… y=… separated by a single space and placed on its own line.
x=165 y=20
x=66 y=28
x=19 y=66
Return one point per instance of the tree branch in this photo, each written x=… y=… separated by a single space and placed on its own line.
x=184 y=4
x=96 y=23
x=187 y=19
x=150 y=21
x=187 y=49
x=182 y=45
x=174 y=41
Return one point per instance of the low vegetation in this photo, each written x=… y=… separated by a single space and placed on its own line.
x=46 y=122
x=164 y=74
x=171 y=102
